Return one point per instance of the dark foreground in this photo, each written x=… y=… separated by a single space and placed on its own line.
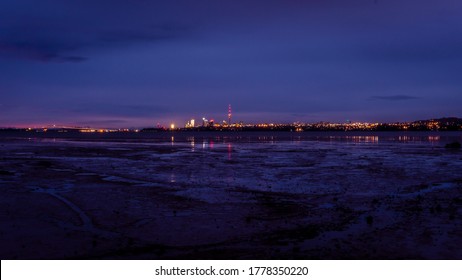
x=320 y=196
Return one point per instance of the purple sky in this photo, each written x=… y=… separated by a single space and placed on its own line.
x=118 y=63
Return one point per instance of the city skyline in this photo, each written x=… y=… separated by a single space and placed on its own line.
x=434 y=124
x=121 y=64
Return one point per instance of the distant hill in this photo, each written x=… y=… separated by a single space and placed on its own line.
x=445 y=120
x=446 y=123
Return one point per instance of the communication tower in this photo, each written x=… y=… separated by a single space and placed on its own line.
x=229 y=114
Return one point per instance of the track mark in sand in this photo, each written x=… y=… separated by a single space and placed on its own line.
x=429 y=189
x=87 y=224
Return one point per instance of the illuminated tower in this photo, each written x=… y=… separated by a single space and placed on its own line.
x=229 y=114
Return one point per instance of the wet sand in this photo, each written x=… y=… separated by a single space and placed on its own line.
x=355 y=197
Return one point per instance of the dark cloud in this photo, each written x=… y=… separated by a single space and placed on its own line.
x=71 y=31
x=395 y=97
x=33 y=51
x=38 y=52
x=146 y=34
x=62 y=49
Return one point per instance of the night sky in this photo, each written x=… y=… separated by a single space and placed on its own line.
x=137 y=63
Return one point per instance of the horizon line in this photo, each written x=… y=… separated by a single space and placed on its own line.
x=71 y=126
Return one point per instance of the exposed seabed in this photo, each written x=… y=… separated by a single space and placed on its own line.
x=364 y=197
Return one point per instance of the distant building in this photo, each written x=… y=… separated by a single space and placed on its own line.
x=205 y=122
x=190 y=124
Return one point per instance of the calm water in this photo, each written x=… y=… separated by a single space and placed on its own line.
x=361 y=136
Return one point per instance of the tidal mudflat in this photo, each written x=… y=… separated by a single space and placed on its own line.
x=232 y=196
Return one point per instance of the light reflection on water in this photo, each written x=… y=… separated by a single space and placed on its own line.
x=430 y=138
x=204 y=144
x=270 y=161
x=211 y=141
x=172 y=177
x=376 y=139
x=192 y=142
x=355 y=139
x=225 y=143
x=230 y=151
